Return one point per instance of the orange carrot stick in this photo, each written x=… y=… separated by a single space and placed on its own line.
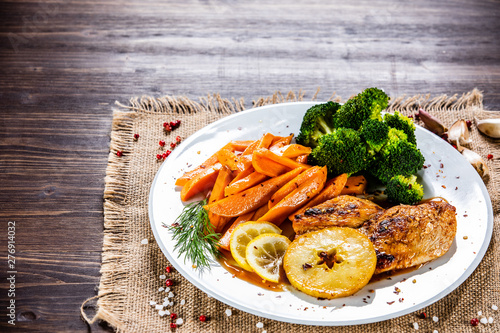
x=245 y=183
x=200 y=182
x=224 y=240
x=296 y=198
x=355 y=185
x=251 y=198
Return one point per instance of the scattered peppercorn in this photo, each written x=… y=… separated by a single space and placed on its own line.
x=173 y=316
x=169 y=283
x=474 y=321
x=490 y=156
x=178 y=138
x=168 y=269
x=172 y=145
x=136 y=136
x=469 y=123
x=203 y=318
x=119 y=153
x=423 y=315
x=164 y=155
x=159 y=156
x=173 y=325
x=167 y=127
x=161 y=143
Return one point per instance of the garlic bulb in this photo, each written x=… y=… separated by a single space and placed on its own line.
x=476 y=161
x=490 y=127
x=432 y=123
x=459 y=134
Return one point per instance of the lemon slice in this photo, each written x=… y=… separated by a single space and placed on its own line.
x=265 y=255
x=243 y=234
x=330 y=263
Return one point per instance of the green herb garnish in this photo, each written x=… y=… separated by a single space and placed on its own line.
x=194 y=235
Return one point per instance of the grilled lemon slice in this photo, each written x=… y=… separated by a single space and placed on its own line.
x=265 y=255
x=330 y=263
x=243 y=234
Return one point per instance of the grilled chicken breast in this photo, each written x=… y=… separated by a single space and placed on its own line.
x=406 y=236
x=341 y=211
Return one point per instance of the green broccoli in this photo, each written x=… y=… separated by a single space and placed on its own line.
x=342 y=151
x=403 y=123
x=397 y=157
x=317 y=121
x=405 y=190
x=375 y=133
x=366 y=105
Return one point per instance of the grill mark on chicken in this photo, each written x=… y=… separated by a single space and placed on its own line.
x=342 y=211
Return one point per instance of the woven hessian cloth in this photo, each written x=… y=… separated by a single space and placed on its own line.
x=130 y=270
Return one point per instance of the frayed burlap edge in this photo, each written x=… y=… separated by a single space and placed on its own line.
x=112 y=294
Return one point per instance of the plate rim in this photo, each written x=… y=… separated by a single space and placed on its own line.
x=449 y=289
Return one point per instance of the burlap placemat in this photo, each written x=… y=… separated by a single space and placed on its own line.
x=131 y=269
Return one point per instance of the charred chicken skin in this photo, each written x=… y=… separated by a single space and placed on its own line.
x=405 y=236
x=341 y=211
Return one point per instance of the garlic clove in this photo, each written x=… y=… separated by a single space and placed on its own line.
x=476 y=161
x=489 y=127
x=458 y=133
x=432 y=123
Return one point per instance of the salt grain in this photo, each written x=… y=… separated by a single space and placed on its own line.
x=171 y=303
x=259 y=325
x=179 y=321
x=165 y=303
x=152 y=303
x=161 y=289
x=229 y=312
x=480 y=313
x=435 y=331
x=161 y=313
x=435 y=319
x=484 y=320
x=163 y=277
x=415 y=326
x=494 y=307
x=167 y=289
x=159 y=307
x=170 y=294
x=490 y=320
x=264 y=331
x=183 y=302
x=144 y=241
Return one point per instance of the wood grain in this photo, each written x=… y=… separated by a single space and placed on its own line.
x=64 y=63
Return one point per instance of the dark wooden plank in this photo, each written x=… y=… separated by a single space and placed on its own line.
x=64 y=63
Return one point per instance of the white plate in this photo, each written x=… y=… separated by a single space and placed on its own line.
x=448 y=175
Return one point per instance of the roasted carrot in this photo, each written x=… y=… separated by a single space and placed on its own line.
x=260 y=212
x=181 y=181
x=265 y=140
x=266 y=166
x=229 y=158
x=332 y=188
x=226 y=237
x=302 y=159
x=292 y=185
x=280 y=141
x=285 y=161
x=251 y=198
x=355 y=185
x=245 y=183
x=296 y=198
x=224 y=177
x=292 y=150
x=200 y=182
x=241 y=145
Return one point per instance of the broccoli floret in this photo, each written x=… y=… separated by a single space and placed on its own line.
x=317 y=121
x=397 y=157
x=405 y=190
x=403 y=123
x=342 y=151
x=366 y=105
x=375 y=133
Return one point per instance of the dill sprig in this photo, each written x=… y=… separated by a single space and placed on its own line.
x=194 y=235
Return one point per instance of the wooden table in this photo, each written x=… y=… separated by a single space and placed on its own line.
x=64 y=64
